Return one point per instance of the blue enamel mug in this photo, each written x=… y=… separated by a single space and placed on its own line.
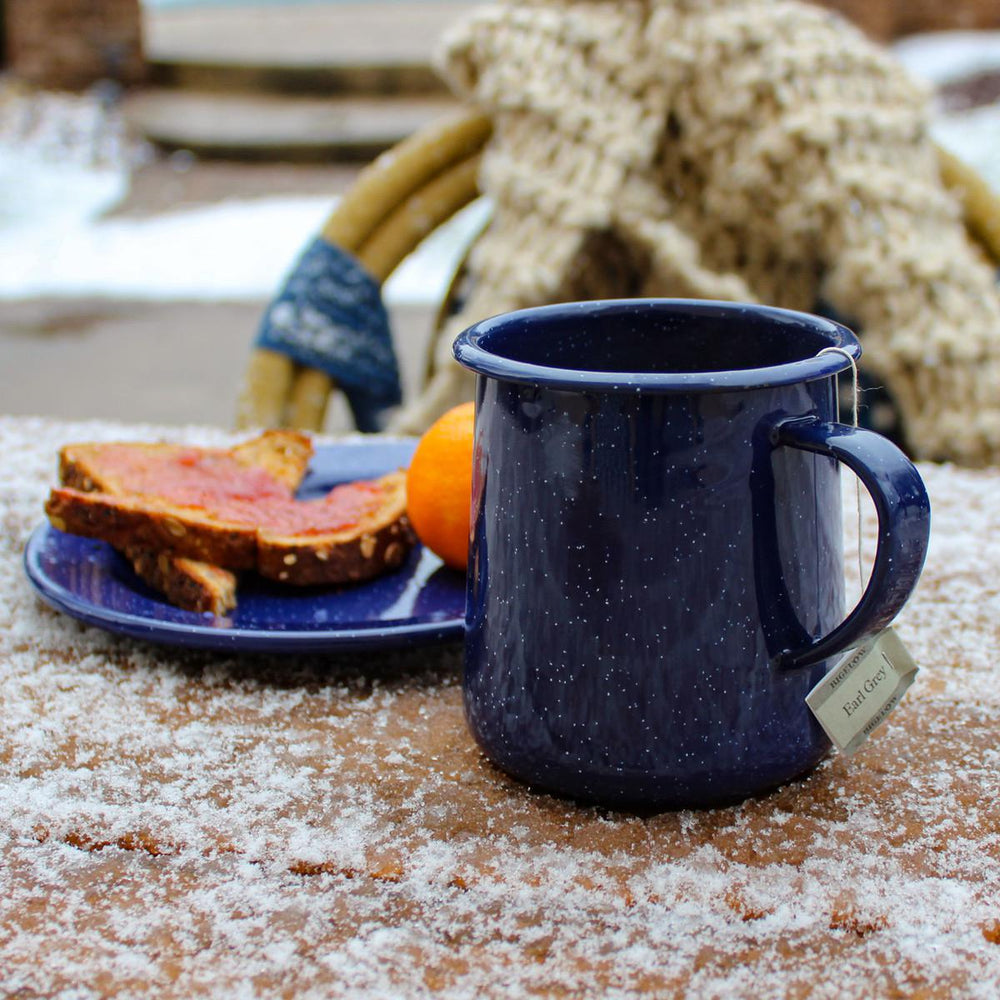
x=656 y=570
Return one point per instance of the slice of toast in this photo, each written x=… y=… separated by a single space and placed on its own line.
x=132 y=467
x=186 y=583
x=358 y=531
x=112 y=468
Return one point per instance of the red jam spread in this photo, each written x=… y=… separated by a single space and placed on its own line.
x=216 y=483
x=195 y=477
x=343 y=507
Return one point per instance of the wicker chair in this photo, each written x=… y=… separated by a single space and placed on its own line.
x=411 y=190
x=396 y=201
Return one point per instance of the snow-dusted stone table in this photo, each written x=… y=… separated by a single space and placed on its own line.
x=184 y=824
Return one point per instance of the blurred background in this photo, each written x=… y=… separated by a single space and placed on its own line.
x=163 y=162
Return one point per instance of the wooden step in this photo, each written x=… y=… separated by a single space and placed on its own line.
x=276 y=127
x=345 y=47
x=343 y=80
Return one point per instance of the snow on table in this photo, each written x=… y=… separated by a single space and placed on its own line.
x=186 y=824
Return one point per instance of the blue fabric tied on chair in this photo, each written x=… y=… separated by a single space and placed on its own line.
x=329 y=315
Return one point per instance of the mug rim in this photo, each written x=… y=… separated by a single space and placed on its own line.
x=471 y=353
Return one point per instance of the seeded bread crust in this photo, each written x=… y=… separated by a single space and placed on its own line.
x=382 y=543
x=364 y=551
x=284 y=455
x=186 y=583
x=146 y=523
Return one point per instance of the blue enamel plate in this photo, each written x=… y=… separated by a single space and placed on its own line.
x=423 y=601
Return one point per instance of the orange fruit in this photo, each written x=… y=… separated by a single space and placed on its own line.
x=439 y=486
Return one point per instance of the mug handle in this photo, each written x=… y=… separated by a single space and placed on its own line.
x=904 y=519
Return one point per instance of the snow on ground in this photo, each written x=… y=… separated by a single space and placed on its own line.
x=65 y=160
x=53 y=242
x=943 y=56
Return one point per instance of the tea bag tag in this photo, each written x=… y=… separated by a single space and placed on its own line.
x=856 y=697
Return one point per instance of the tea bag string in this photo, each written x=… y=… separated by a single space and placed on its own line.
x=854 y=423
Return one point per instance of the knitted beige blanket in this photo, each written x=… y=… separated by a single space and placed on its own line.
x=754 y=150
